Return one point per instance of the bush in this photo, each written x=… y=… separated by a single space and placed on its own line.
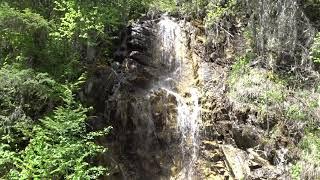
x=45 y=46
x=215 y=10
x=164 y=6
x=308 y=166
x=315 y=49
x=24 y=97
x=239 y=68
x=57 y=145
x=59 y=148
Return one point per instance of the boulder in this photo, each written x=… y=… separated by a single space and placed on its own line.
x=237 y=161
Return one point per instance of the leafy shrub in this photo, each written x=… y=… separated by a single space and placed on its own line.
x=43 y=50
x=33 y=92
x=240 y=67
x=59 y=147
x=315 y=49
x=24 y=97
x=296 y=171
x=79 y=21
x=164 y=6
x=295 y=112
x=308 y=166
x=191 y=8
x=215 y=10
x=21 y=33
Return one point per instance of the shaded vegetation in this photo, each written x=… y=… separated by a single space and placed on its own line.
x=45 y=49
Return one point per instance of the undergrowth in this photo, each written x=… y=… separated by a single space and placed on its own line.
x=271 y=95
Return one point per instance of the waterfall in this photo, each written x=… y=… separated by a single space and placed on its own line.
x=189 y=128
x=177 y=81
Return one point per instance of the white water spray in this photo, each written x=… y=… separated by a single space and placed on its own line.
x=173 y=54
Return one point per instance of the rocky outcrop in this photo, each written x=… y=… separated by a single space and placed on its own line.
x=237 y=161
x=145 y=142
x=143 y=130
x=234 y=143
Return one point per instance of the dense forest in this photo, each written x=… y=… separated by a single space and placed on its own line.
x=76 y=85
x=44 y=61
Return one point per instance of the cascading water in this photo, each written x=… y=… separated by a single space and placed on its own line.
x=177 y=82
x=189 y=128
x=158 y=103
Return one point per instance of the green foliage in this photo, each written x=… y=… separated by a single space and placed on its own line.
x=20 y=33
x=270 y=95
x=209 y=11
x=315 y=49
x=303 y=107
x=267 y=92
x=256 y=88
x=310 y=158
x=58 y=145
x=88 y=20
x=25 y=41
x=311 y=146
x=83 y=21
x=165 y=6
x=133 y=8
x=43 y=52
x=239 y=68
x=59 y=148
x=24 y=95
x=192 y=8
x=296 y=170
x=22 y=22
x=60 y=33
x=274 y=96
x=295 y=112
x=215 y=10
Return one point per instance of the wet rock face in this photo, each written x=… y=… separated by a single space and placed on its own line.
x=142 y=107
x=144 y=139
x=144 y=143
x=99 y=87
x=141 y=119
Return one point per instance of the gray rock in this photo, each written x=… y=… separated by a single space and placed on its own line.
x=237 y=160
